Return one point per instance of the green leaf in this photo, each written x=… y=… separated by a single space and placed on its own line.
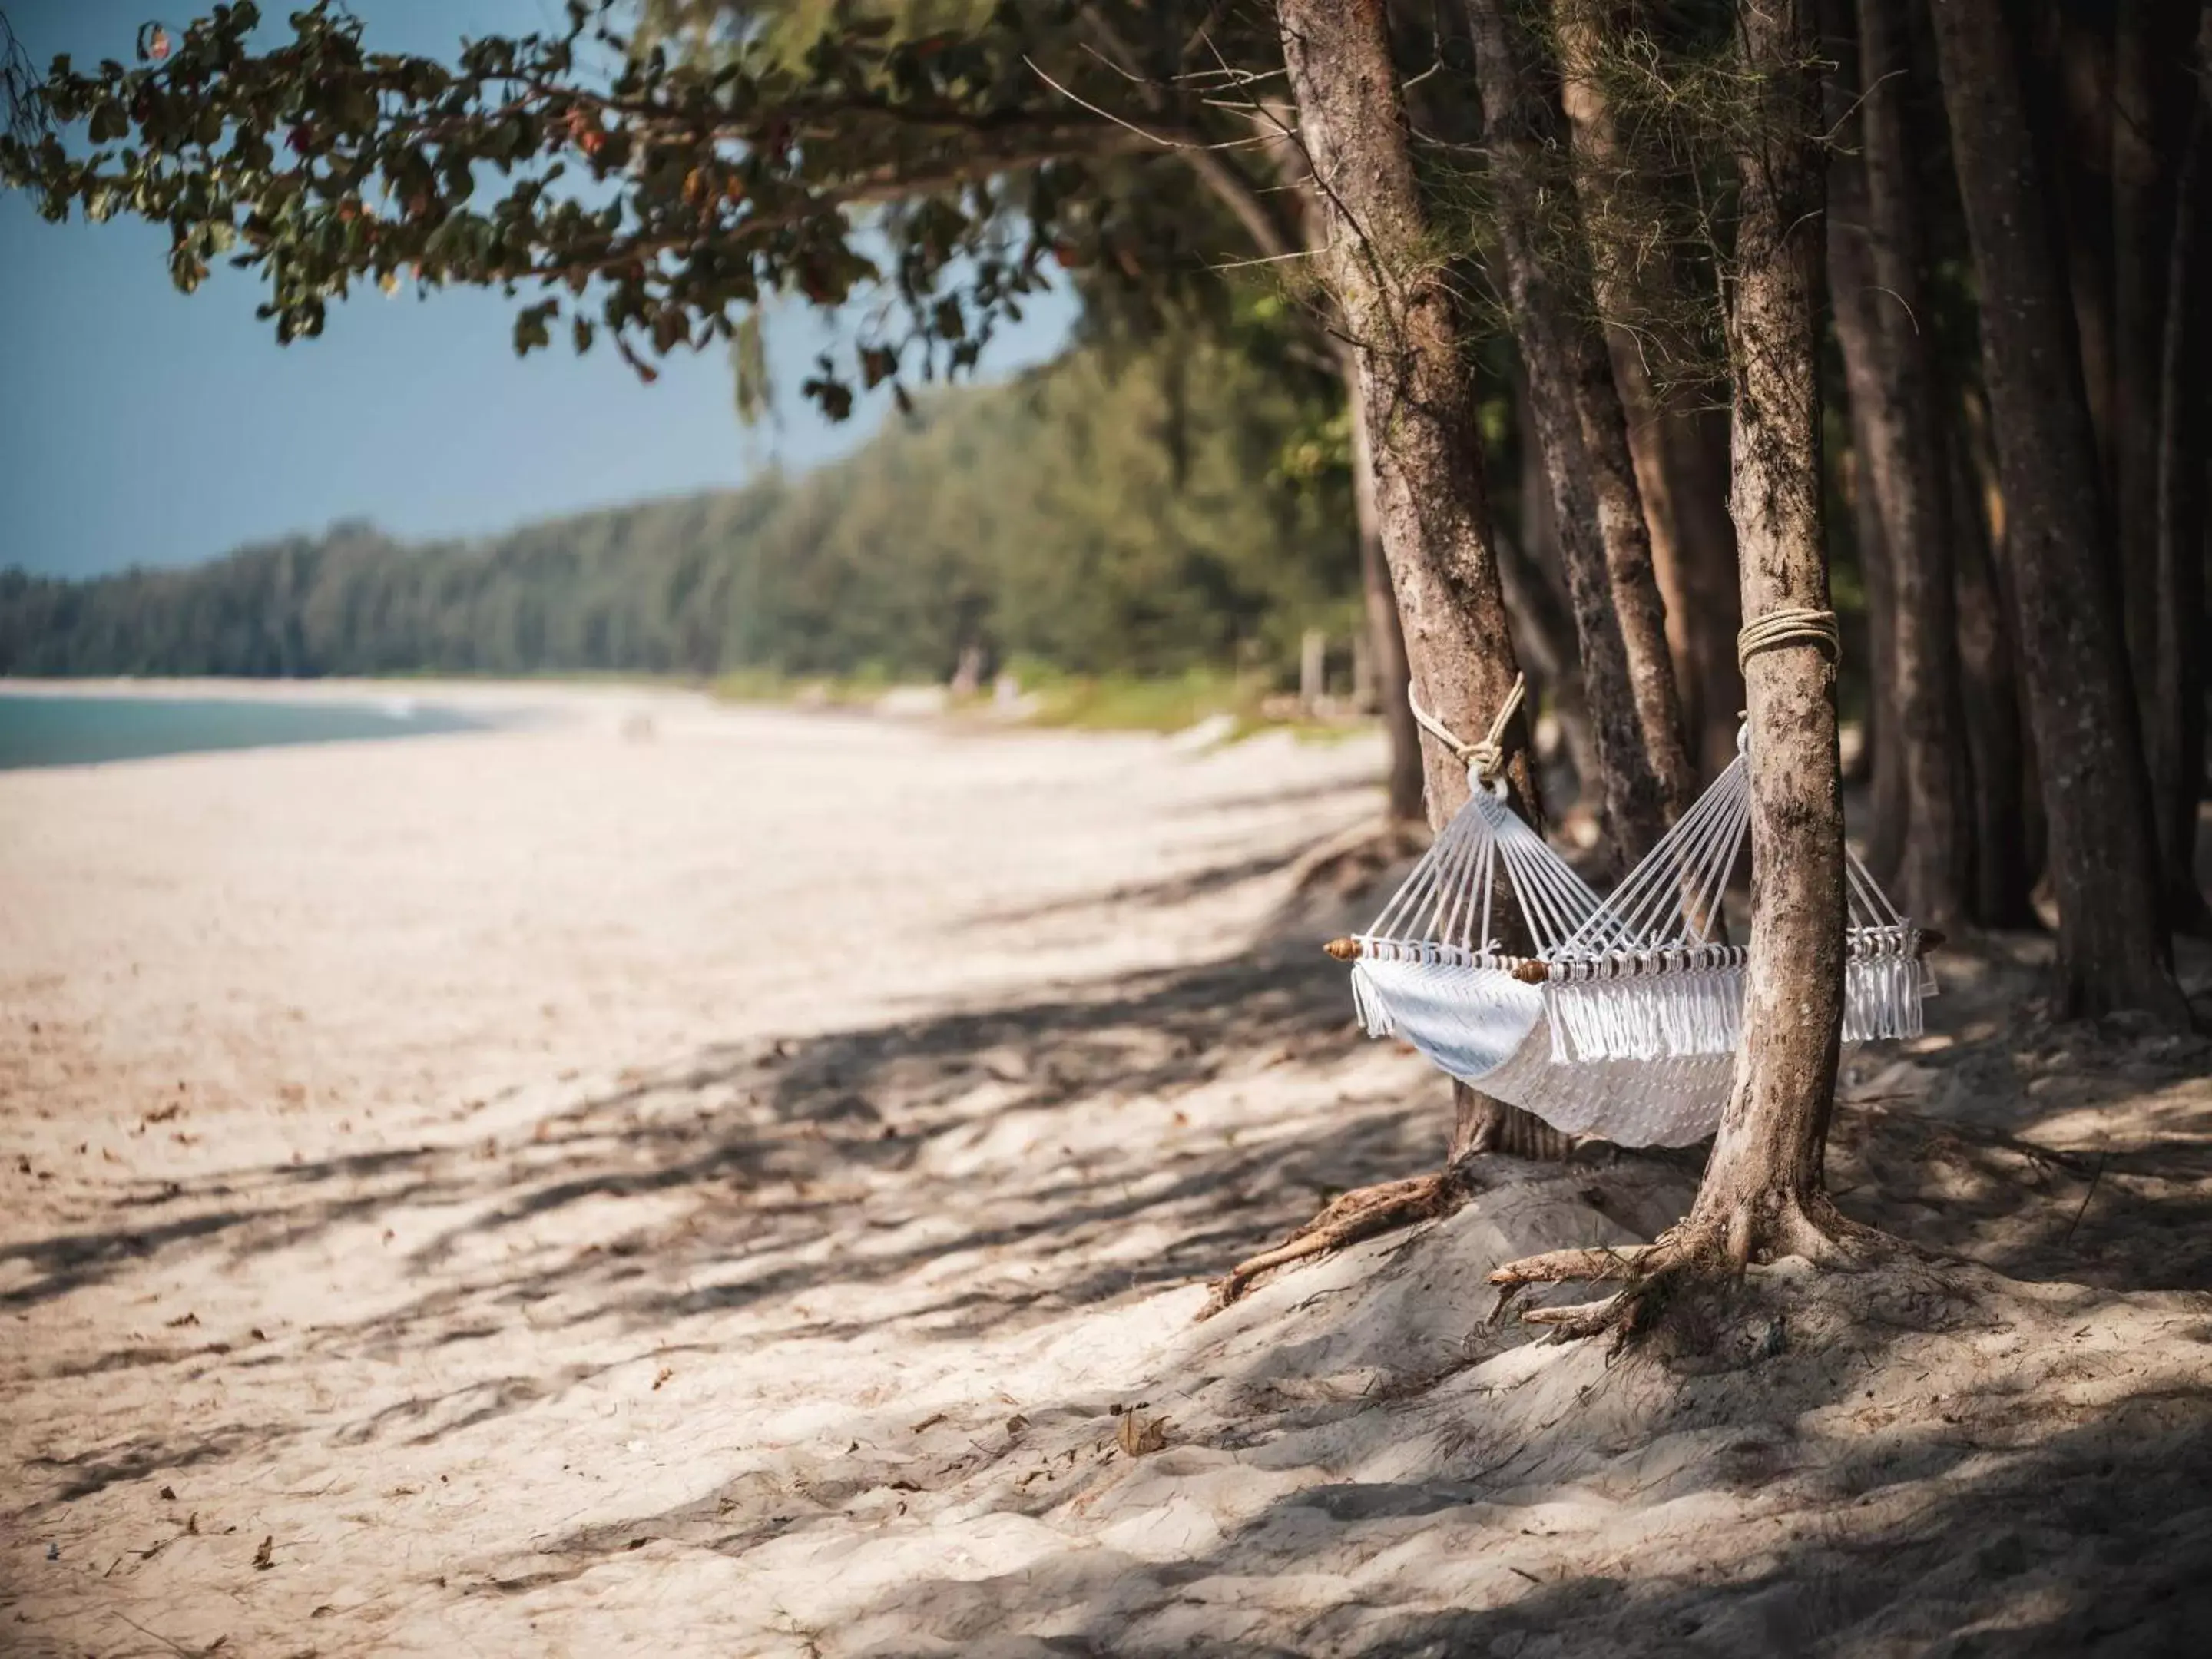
x=532 y=330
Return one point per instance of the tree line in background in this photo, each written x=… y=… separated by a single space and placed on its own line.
x=1112 y=513
x=1770 y=288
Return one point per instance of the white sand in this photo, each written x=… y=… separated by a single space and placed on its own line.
x=573 y=1191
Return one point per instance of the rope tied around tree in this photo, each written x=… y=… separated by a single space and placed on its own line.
x=1791 y=625
x=1483 y=758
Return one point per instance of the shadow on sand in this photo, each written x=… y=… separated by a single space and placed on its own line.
x=988 y=1167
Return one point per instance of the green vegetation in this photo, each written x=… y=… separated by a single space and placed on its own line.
x=1110 y=518
x=1127 y=702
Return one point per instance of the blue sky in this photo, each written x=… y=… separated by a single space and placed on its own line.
x=142 y=426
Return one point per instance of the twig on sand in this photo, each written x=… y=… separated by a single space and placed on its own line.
x=2096 y=1176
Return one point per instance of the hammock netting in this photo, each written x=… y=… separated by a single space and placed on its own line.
x=1624 y=1021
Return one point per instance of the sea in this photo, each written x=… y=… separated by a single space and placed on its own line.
x=82 y=730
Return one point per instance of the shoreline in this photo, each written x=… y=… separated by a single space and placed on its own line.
x=446 y=690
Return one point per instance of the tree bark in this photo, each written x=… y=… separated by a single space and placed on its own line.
x=1536 y=601
x=1397 y=309
x=1544 y=638
x=1883 y=765
x=1386 y=639
x=1998 y=819
x=1902 y=455
x=1678 y=453
x=2112 y=945
x=2183 y=495
x=1763 y=1188
x=1850 y=284
x=1977 y=453
x=1627 y=677
x=2151 y=93
x=1681 y=457
x=2069 y=105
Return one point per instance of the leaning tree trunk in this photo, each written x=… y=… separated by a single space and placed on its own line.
x=1627 y=678
x=1763 y=1188
x=2103 y=852
x=1901 y=451
x=1678 y=451
x=2185 y=510
x=1850 y=289
x=1387 y=639
x=1393 y=294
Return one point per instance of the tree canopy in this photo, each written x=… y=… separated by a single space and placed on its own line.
x=646 y=175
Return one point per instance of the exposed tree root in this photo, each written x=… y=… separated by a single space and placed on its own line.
x=1347 y=865
x=1576 y=1267
x=1359 y=1215
x=1709 y=1250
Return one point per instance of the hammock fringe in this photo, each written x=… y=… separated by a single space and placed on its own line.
x=1632 y=1032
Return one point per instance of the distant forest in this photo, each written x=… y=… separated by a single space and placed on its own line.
x=1112 y=513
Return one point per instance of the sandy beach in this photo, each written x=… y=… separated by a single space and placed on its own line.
x=664 y=1177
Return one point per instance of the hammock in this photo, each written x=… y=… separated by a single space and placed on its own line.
x=1625 y=1021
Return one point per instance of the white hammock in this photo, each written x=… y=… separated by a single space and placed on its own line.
x=1624 y=1022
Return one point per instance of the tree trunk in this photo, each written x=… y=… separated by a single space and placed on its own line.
x=1627 y=678
x=1979 y=454
x=1764 y=1177
x=1884 y=751
x=2103 y=852
x=1678 y=452
x=1998 y=819
x=1544 y=640
x=1386 y=639
x=1634 y=567
x=1480 y=1124
x=1850 y=285
x=1902 y=456
x=1542 y=322
x=1395 y=302
x=1528 y=564
x=2147 y=141
x=2184 y=512
x=1681 y=458
x=2067 y=101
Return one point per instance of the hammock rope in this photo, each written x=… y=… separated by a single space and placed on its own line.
x=1790 y=625
x=1483 y=758
x=1624 y=1021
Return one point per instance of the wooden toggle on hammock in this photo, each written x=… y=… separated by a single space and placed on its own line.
x=1624 y=1024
